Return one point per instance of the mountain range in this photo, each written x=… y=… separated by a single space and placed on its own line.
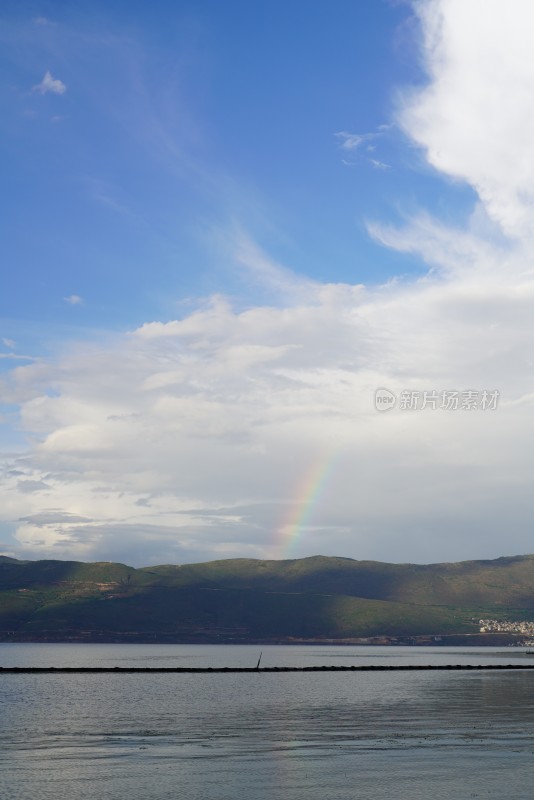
x=250 y=600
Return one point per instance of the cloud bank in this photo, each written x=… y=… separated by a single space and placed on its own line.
x=252 y=432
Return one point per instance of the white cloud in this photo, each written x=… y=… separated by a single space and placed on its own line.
x=73 y=300
x=475 y=118
x=8 y=343
x=201 y=431
x=50 y=84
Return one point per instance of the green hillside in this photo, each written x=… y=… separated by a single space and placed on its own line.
x=502 y=582
x=316 y=598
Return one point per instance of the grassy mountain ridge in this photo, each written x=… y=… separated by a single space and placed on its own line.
x=503 y=581
x=250 y=599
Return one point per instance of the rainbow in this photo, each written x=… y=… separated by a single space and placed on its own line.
x=309 y=492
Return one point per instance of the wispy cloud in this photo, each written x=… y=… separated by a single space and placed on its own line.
x=50 y=84
x=54 y=517
x=73 y=300
x=359 y=146
x=29 y=486
x=42 y=21
x=105 y=193
x=265 y=270
x=351 y=141
x=379 y=164
x=16 y=357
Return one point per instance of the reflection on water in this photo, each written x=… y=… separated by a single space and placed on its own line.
x=290 y=736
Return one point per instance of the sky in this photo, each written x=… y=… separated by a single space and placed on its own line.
x=266 y=280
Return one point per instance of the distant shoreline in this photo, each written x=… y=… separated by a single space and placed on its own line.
x=450 y=640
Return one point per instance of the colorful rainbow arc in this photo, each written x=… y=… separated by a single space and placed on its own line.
x=309 y=493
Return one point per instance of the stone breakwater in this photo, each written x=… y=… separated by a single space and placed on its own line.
x=215 y=670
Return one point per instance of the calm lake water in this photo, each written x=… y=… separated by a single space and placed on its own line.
x=288 y=736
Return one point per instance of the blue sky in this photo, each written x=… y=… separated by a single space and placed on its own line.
x=181 y=120
x=224 y=225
